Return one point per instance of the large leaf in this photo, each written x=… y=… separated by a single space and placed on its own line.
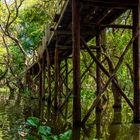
x=66 y=136
x=33 y=121
x=44 y=130
x=30 y=137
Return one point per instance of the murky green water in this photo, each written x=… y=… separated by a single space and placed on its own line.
x=10 y=118
x=108 y=125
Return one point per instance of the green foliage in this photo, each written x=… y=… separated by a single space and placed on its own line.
x=66 y=135
x=37 y=130
x=33 y=122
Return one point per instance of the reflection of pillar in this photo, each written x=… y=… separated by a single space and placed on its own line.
x=98 y=125
x=76 y=69
x=117 y=118
x=136 y=63
x=98 y=71
x=135 y=132
x=115 y=126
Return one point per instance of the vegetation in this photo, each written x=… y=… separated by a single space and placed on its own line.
x=22 y=28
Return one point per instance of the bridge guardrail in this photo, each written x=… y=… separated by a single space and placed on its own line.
x=54 y=11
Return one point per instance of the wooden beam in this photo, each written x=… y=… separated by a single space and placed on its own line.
x=136 y=64
x=98 y=71
x=49 y=77
x=117 y=26
x=68 y=32
x=128 y=4
x=76 y=70
x=57 y=71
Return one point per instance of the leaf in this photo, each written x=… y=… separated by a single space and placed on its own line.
x=55 y=138
x=44 y=130
x=66 y=136
x=33 y=121
x=30 y=137
x=45 y=138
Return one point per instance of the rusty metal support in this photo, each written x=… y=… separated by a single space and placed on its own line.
x=136 y=64
x=76 y=70
x=98 y=71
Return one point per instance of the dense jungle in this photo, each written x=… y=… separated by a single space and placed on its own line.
x=36 y=88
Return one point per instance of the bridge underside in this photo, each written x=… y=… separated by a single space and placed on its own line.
x=74 y=27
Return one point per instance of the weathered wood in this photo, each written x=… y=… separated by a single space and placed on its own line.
x=117 y=26
x=107 y=73
x=57 y=71
x=49 y=77
x=40 y=94
x=76 y=70
x=96 y=101
x=136 y=63
x=43 y=74
x=98 y=71
x=114 y=4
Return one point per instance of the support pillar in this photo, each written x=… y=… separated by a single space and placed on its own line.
x=66 y=81
x=57 y=72
x=43 y=74
x=76 y=70
x=49 y=77
x=136 y=63
x=42 y=87
x=98 y=71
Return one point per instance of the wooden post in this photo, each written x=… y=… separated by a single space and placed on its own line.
x=40 y=94
x=42 y=86
x=57 y=70
x=43 y=74
x=98 y=71
x=66 y=81
x=136 y=63
x=76 y=70
x=49 y=77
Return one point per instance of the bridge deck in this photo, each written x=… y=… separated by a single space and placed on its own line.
x=93 y=14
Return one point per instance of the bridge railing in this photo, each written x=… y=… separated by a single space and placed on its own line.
x=55 y=12
x=55 y=9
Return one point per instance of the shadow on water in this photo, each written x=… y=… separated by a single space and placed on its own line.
x=111 y=124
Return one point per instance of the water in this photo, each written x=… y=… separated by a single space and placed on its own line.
x=108 y=125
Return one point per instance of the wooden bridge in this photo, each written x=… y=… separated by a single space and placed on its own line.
x=73 y=26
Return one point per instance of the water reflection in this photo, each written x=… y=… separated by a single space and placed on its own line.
x=115 y=126
x=10 y=118
x=106 y=125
